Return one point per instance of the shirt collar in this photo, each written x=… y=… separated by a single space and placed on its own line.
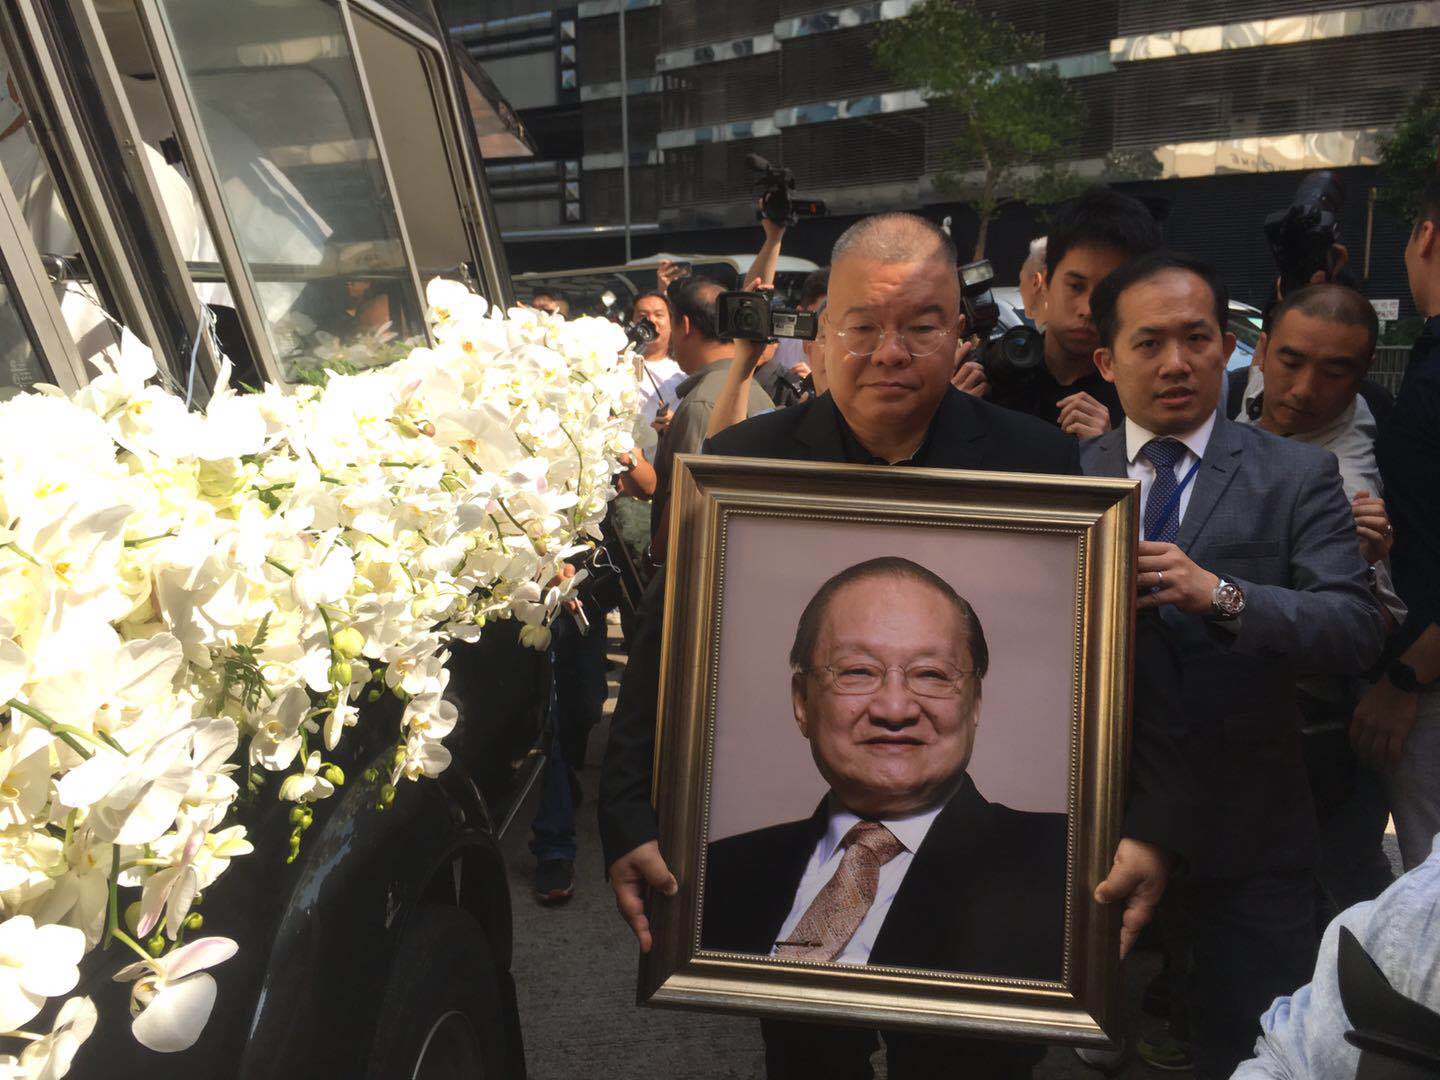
x=910 y=829
x=1195 y=441
x=856 y=453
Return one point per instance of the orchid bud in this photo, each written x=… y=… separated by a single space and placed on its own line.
x=348 y=643
x=156 y=945
x=387 y=796
x=334 y=774
x=370 y=775
x=398 y=757
x=374 y=695
x=340 y=673
x=297 y=815
x=194 y=921
x=426 y=428
x=132 y=916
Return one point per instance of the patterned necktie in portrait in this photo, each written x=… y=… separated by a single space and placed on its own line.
x=840 y=907
x=1164 y=455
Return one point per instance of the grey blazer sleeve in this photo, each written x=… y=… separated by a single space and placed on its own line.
x=1327 y=619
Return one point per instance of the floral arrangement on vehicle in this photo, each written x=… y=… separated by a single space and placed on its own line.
x=192 y=600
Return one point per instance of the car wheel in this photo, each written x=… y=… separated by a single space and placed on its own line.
x=442 y=1017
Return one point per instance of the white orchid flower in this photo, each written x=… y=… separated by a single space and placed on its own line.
x=309 y=785
x=277 y=741
x=36 y=963
x=173 y=995
x=50 y=1056
x=24 y=775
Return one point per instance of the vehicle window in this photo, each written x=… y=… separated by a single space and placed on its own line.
x=406 y=94
x=283 y=118
x=21 y=366
x=87 y=315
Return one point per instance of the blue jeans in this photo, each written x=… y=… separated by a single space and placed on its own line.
x=577 y=699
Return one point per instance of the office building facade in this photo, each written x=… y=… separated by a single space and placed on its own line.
x=1235 y=99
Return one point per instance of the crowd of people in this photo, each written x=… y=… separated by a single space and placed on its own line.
x=1287 y=671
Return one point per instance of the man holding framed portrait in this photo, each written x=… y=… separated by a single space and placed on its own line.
x=891 y=322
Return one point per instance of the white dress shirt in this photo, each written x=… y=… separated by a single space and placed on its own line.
x=1138 y=466
x=825 y=860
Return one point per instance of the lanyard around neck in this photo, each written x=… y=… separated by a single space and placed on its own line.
x=1173 y=503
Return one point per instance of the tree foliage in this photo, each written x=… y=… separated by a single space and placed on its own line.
x=1408 y=155
x=1015 y=113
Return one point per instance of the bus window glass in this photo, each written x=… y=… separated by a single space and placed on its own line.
x=276 y=94
x=407 y=98
x=20 y=363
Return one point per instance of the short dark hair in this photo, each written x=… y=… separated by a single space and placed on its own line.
x=815 y=288
x=697 y=299
x=538 y=293
x=1105 y=219
x=1429 y=203
x=654 y=294
x=1333 y=303
x=1105 y=300
x=807 y=632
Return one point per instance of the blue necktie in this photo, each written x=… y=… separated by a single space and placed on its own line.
x=1164 y=454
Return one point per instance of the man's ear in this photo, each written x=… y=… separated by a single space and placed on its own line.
x=1105 y=363
x=1261 y=347
x=1429 y=232
x=1227 y=342
x=799 y=703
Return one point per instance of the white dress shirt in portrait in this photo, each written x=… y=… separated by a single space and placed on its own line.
x=1138 y=466
x=825 y=860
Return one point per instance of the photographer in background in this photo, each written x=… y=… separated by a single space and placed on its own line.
x=1100 y=232
x=792 y=355
x=660 y=375
x=705 y=358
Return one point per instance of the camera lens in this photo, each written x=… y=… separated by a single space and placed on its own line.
x=747 y=320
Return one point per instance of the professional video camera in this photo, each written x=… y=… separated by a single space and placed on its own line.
x=778 y=201
x=1009 y=355
x=1302 y=234
x=641 y=332
x=758 y=316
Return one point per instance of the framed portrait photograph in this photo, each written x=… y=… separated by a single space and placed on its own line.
x=891 y=751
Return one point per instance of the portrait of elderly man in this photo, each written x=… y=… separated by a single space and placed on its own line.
x=904 y=863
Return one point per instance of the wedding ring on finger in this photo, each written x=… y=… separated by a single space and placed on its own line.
x=1159 y=579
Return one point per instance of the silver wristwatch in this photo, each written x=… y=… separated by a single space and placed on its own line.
x=1227 y=601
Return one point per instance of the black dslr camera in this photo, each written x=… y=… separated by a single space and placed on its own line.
x=641 y=332
x=778 y=201
x=763 y=316
x=1009 y=356
x=1302 y=234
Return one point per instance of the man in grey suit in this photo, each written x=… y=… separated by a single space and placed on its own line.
x=1248 y=555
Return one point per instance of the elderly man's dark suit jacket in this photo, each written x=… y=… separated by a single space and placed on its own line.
x=985 y=894
x=1270 y=515
x=967 y=433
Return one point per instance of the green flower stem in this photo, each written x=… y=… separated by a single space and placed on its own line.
x=22 y=553
x=109 y=741
x=135 y=947
x=149 y=539
x=112 y=905
x=49 y=725
x=278 y=565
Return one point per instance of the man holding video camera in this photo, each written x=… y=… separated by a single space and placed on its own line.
x=705 y=356
x=891 y=319
x=1099 y=232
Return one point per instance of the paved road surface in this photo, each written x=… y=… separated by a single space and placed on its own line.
x=575 y=970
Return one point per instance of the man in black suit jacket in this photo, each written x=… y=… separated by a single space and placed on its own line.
x=895 y=405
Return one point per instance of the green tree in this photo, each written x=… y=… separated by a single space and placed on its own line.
x=1017 y=116
x=1408 y=155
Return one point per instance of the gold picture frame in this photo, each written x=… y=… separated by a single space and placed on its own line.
x=710 y=496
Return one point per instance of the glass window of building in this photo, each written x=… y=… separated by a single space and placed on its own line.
x=285 y=126
x=406 y=89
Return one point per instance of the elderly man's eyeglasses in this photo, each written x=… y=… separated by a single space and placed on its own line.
x=865 y=339
x=924 y=679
